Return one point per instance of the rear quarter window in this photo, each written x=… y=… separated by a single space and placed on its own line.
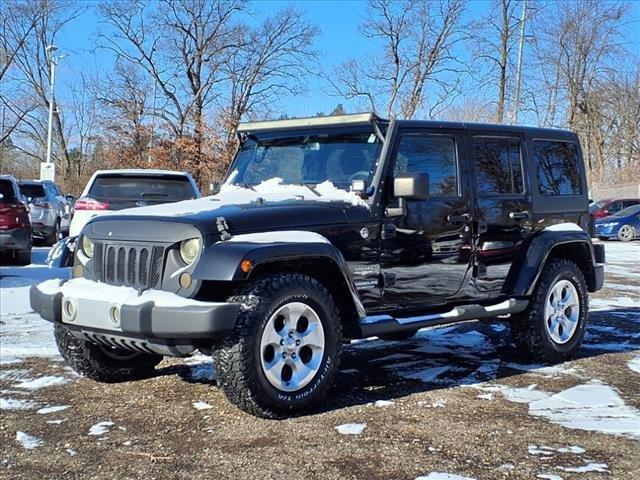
x=557 y=168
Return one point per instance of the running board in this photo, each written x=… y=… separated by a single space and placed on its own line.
x=381 y=324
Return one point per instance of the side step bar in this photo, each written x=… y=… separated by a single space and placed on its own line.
x=380 y=324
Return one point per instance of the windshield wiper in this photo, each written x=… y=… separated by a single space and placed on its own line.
x=310 y=187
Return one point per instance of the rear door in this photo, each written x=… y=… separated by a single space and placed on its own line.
x=425 y=253
x=503 y=206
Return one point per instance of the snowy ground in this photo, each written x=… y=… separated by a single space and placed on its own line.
x=453 y=403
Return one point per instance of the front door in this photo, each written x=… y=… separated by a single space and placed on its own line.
x=425 y=252
x=503 y=210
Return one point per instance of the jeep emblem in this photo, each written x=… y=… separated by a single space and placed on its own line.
x=364 y=233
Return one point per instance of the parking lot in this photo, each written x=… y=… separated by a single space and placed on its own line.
x=454 y=400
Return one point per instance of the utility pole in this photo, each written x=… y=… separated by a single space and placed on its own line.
x=516 y=105
x=47 y=171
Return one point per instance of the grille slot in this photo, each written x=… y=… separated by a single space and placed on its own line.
x=134 y=266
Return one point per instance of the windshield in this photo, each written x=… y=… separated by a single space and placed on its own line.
x=308 y=159
x=170 y=188
x=628 y=211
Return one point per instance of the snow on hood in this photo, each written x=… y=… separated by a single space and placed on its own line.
x=272 y=190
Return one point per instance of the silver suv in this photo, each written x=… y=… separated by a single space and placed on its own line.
x=50 y=210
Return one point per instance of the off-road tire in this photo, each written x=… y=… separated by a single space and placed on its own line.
x=397 y=336
x=237 y=356
x=528 y=328
x=91 y=361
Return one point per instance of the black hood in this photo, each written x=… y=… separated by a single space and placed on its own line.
x=243 y=215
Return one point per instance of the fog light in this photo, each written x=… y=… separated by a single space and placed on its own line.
x=185 y=280
x=69 y=309
x=114 y=315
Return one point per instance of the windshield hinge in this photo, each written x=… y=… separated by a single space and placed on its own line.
x=376 y=128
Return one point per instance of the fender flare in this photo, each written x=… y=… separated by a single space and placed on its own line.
x=533 y=255
x=221 y=261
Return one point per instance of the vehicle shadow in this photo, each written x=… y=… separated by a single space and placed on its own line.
x=445 y=358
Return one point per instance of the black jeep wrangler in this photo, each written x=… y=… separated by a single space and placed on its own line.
x=331 y=229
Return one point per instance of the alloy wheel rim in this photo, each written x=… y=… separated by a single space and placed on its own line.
x=292 y=346
x=626 y=232
x=562 y=311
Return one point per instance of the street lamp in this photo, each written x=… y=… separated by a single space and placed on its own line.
x=47 y=171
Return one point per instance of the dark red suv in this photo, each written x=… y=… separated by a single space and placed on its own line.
x=15 y=225
x=611 y=206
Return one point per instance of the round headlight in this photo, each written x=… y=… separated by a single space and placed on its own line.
x=189 y=250
x=87 y=246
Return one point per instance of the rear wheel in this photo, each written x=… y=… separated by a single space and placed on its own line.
x=104 y=364
x=23 y=257
x=285 y=350
x=56 y=235
x=553 y=326
x=626 y=233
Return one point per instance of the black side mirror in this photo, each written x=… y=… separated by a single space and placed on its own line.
x=411 y=186
x=214 y=188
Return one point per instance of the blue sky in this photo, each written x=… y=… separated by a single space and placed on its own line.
x=339 y=41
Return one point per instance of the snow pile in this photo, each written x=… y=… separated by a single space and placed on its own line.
x=201 y=405
x=271 y=190
x=28 y=441
x=17 y=404
x=634 y=364
x=589 y=407
x=85 y=288
x=443 y=476
x=47 y=381
x=53 y=409
x=288 y=236
x=589 y=467
x=351 y=428
x=100 y=428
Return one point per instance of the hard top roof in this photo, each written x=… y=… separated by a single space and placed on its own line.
x=370 y=118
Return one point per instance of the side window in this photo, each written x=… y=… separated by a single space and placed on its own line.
x=615 y=207
x=557 y=168
x=432 y=154
x=498 y=166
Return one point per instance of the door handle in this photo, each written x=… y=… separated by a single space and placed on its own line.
x=519 y=215
x=463 y=218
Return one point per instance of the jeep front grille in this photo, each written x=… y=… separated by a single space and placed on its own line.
x=132 y=266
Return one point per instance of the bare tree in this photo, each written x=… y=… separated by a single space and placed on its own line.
x=579 y=42
x=272 y=60
x=417 y=38
x=32 y=80
x=180 y=44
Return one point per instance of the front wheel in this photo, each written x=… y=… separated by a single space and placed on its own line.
x=285 y=349
x=104 y=364
x=553 y=326
x=626 y=233
x=54 y=236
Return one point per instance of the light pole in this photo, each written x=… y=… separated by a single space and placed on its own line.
x=47 y=171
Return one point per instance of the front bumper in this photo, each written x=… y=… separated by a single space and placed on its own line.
x=15 y=239
x=89 y=307
x=606 y=232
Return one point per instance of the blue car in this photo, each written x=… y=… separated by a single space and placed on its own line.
x=624 y=225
